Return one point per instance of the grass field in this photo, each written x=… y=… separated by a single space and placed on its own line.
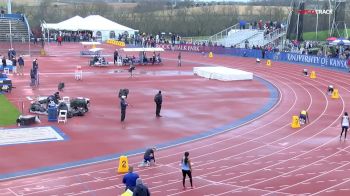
x=321 y=35
x=8 y=113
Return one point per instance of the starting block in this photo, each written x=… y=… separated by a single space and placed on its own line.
x=335 y=94
x=295 y=122
x=257 y=60
x=313 y=75
x=268 y=63
x=211 y=55
x=123 y=164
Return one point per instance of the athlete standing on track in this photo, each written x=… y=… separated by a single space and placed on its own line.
x=123 y=105
x=158 y=99
x=344 y=124
x=186 y=169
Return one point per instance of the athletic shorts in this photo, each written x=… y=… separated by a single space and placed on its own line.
x=148 y=159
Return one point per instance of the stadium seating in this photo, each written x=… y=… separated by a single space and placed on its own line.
x=17 y=26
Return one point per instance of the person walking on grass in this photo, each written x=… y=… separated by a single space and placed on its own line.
x=344 y=124
x=186 y=169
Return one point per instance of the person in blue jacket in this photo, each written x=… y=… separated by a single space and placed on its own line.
x=130 y=179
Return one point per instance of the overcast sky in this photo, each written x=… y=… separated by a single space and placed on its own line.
x=224 y=0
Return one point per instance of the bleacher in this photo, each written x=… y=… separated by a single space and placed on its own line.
x=15 y=28
x=235 y=37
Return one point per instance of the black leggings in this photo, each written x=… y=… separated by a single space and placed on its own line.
x=344 y=129
x=188 y=172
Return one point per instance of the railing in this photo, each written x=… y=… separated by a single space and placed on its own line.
x=15 y=33
x=256 y=34
x=12 y=16
x=277 y=33
x=222 y=34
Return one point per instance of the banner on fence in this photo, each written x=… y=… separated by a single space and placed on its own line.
x=181 y=47
x=313 y=60
x=256 y=53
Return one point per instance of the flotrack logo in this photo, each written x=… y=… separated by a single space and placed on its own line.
x=315 y=12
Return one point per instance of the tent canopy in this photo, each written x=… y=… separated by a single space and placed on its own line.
x=340 y=42
x=90 y=23
x=70 y=24
x=99 y=23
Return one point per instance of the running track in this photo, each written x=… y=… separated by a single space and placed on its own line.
x=263 y=157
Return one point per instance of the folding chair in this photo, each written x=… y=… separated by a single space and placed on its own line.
x=119 y=62
x=62 y=116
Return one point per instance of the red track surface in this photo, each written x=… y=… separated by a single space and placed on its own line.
x=264 y=157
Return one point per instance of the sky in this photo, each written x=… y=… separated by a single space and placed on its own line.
x=223 y=0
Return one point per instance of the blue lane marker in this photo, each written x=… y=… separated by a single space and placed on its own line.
x=273 y=99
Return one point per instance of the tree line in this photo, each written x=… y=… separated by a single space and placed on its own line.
x=154 y=16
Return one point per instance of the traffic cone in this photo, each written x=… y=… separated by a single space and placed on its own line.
x=211 y=55
x=123 y=164
x=335 y=94
x=313 y=75
x=42 y=52
x=295 y=122
x=268 y=63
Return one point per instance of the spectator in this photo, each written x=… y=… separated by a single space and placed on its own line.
x=3 y=62
x=140 y=189
x=20 y=65
x=2 y=12
x=130 y=179
x=14 y=66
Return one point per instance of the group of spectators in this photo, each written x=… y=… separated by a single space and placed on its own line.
x=11 y=56
x=60 y=36
x=318 y=48
x=150 y=40
x=270 y=28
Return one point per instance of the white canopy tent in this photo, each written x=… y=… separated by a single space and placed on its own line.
x=101 y=27
x=69 y=24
